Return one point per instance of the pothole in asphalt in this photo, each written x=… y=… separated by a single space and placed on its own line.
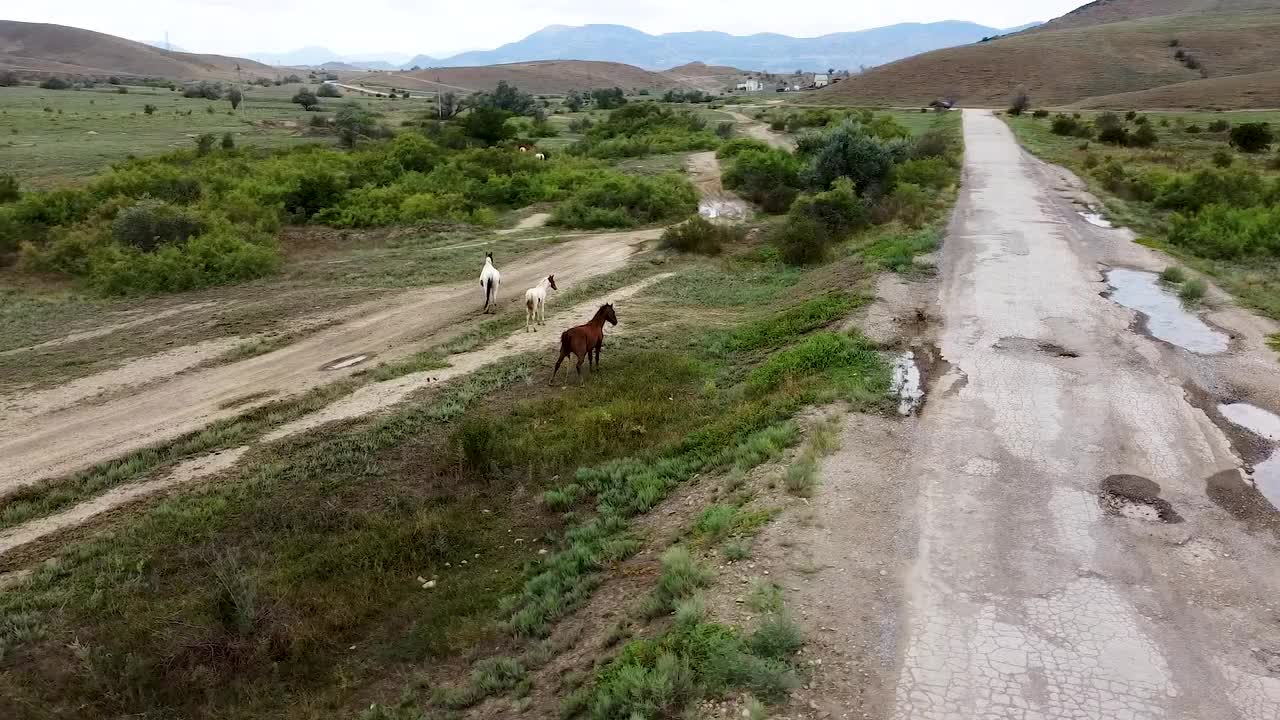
x=1136 y=498
x=1021 y=344
x=345 y=362
x=1164 y=316
x=1230 y=491
x=1094 y=218
x=713 y=208
x=906 y=383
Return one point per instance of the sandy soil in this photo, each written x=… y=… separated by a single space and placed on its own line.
x=1035 y=591
x=58 y=442
x=535 y=220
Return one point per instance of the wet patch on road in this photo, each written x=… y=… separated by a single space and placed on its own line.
x=1164 y=316
x=1095 y=218
x=906 y=384
x=1136 y=498
x=727 y=208
x=346 y=362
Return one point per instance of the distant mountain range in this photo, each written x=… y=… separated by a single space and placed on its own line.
x=622 y=44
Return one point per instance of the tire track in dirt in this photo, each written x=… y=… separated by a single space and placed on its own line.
x=366 y=400
x=60 y=442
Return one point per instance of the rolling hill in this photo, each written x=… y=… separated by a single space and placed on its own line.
x=40 y=48
x=764 y=51
x=544 y=77
x=1089 y=54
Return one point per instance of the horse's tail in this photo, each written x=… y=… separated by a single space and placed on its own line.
x=566 y=342
x=528 y=301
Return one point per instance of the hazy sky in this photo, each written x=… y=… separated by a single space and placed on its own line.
x=403 y=26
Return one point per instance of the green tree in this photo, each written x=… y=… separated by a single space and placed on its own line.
x=328 y=90
x=447 y=105
x=488 y=125
x=236 y=97
x=848 y=151
x=204 y=144
x=228 y=142
x=306 y=99
x=574 y=101
x=1021 y=102
x=1252 y=137
x=354 y=123
x=609 y=98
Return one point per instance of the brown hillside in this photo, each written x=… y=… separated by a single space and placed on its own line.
x=1068 y=65
x=44 y=48
x=700 y=69
x=1255 y=90
x=543 y=77
x=1102 y=12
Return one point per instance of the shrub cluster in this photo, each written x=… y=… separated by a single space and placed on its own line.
x=645 y=128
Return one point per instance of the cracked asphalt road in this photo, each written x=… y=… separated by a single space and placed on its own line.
x=1027 y=598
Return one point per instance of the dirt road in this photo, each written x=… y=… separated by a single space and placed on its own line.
x=1043 y=584
x=760 y=131
x=59 y=442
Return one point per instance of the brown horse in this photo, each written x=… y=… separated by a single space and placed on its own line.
x=584 y=339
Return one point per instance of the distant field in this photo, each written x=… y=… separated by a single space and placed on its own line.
x=45 y=134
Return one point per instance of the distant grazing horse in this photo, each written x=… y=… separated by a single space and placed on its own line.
x=490 y=279
x=535 y=303
x=540 y=156
x=584 y=339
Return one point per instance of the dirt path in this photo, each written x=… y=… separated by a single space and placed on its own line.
x=704 y=170
x=531 y=222
x=760 y=131
x=1045 y=584
x=59 y=442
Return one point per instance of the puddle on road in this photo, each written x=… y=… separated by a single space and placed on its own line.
x=1253 y=418
x=1096 y=219
x=345 y=362
x=713 y=208
x=906 y=383
x=1166 y=318
x=1266 y=477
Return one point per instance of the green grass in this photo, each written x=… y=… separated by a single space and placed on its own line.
x=1173 y=275
x=51 y=148
x=1192 y=291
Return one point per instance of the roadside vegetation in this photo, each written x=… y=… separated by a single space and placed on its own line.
x=421 y=560
x=1203 y=186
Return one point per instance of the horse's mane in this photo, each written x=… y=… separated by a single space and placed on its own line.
x=600 y=313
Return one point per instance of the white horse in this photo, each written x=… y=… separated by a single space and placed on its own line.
x=535 y=303
x=540 y=156
x=490 y=279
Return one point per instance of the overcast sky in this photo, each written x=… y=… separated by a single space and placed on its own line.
x=240 y=27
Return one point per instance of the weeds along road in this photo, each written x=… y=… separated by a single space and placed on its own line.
x=1039 y=589
x=63 y=441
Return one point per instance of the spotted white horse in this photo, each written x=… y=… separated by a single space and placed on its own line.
x=535 y=303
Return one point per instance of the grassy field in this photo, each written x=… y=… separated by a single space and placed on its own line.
x=1121 y=176
x=418 y=559
x=45 y=135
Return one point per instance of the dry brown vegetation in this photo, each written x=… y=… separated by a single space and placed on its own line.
x=47 y=48
x=1077 y=61
x=1254 y=90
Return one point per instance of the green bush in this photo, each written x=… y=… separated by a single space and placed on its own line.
x=209 y=259
x=839 y=210
x=1040 y=114
x=1192 y=291
x=625 y=200
x=150 y=224
x=734 y=147
x=1070 y=127
x=908 y=203
x=1144 y=137
x=55 y=83
x=933 y=144
x=1221 y=232
x=1173 y=275
x=9 y=190
x=1252 y=137
x=801 y=241
x=1223 y=158
x=849 y=151
x=328 y=90
x=934 y=172
x=766 y=176
x=1219 y=126
x=1208 y=186
x=699 y=235
x=645 y=128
